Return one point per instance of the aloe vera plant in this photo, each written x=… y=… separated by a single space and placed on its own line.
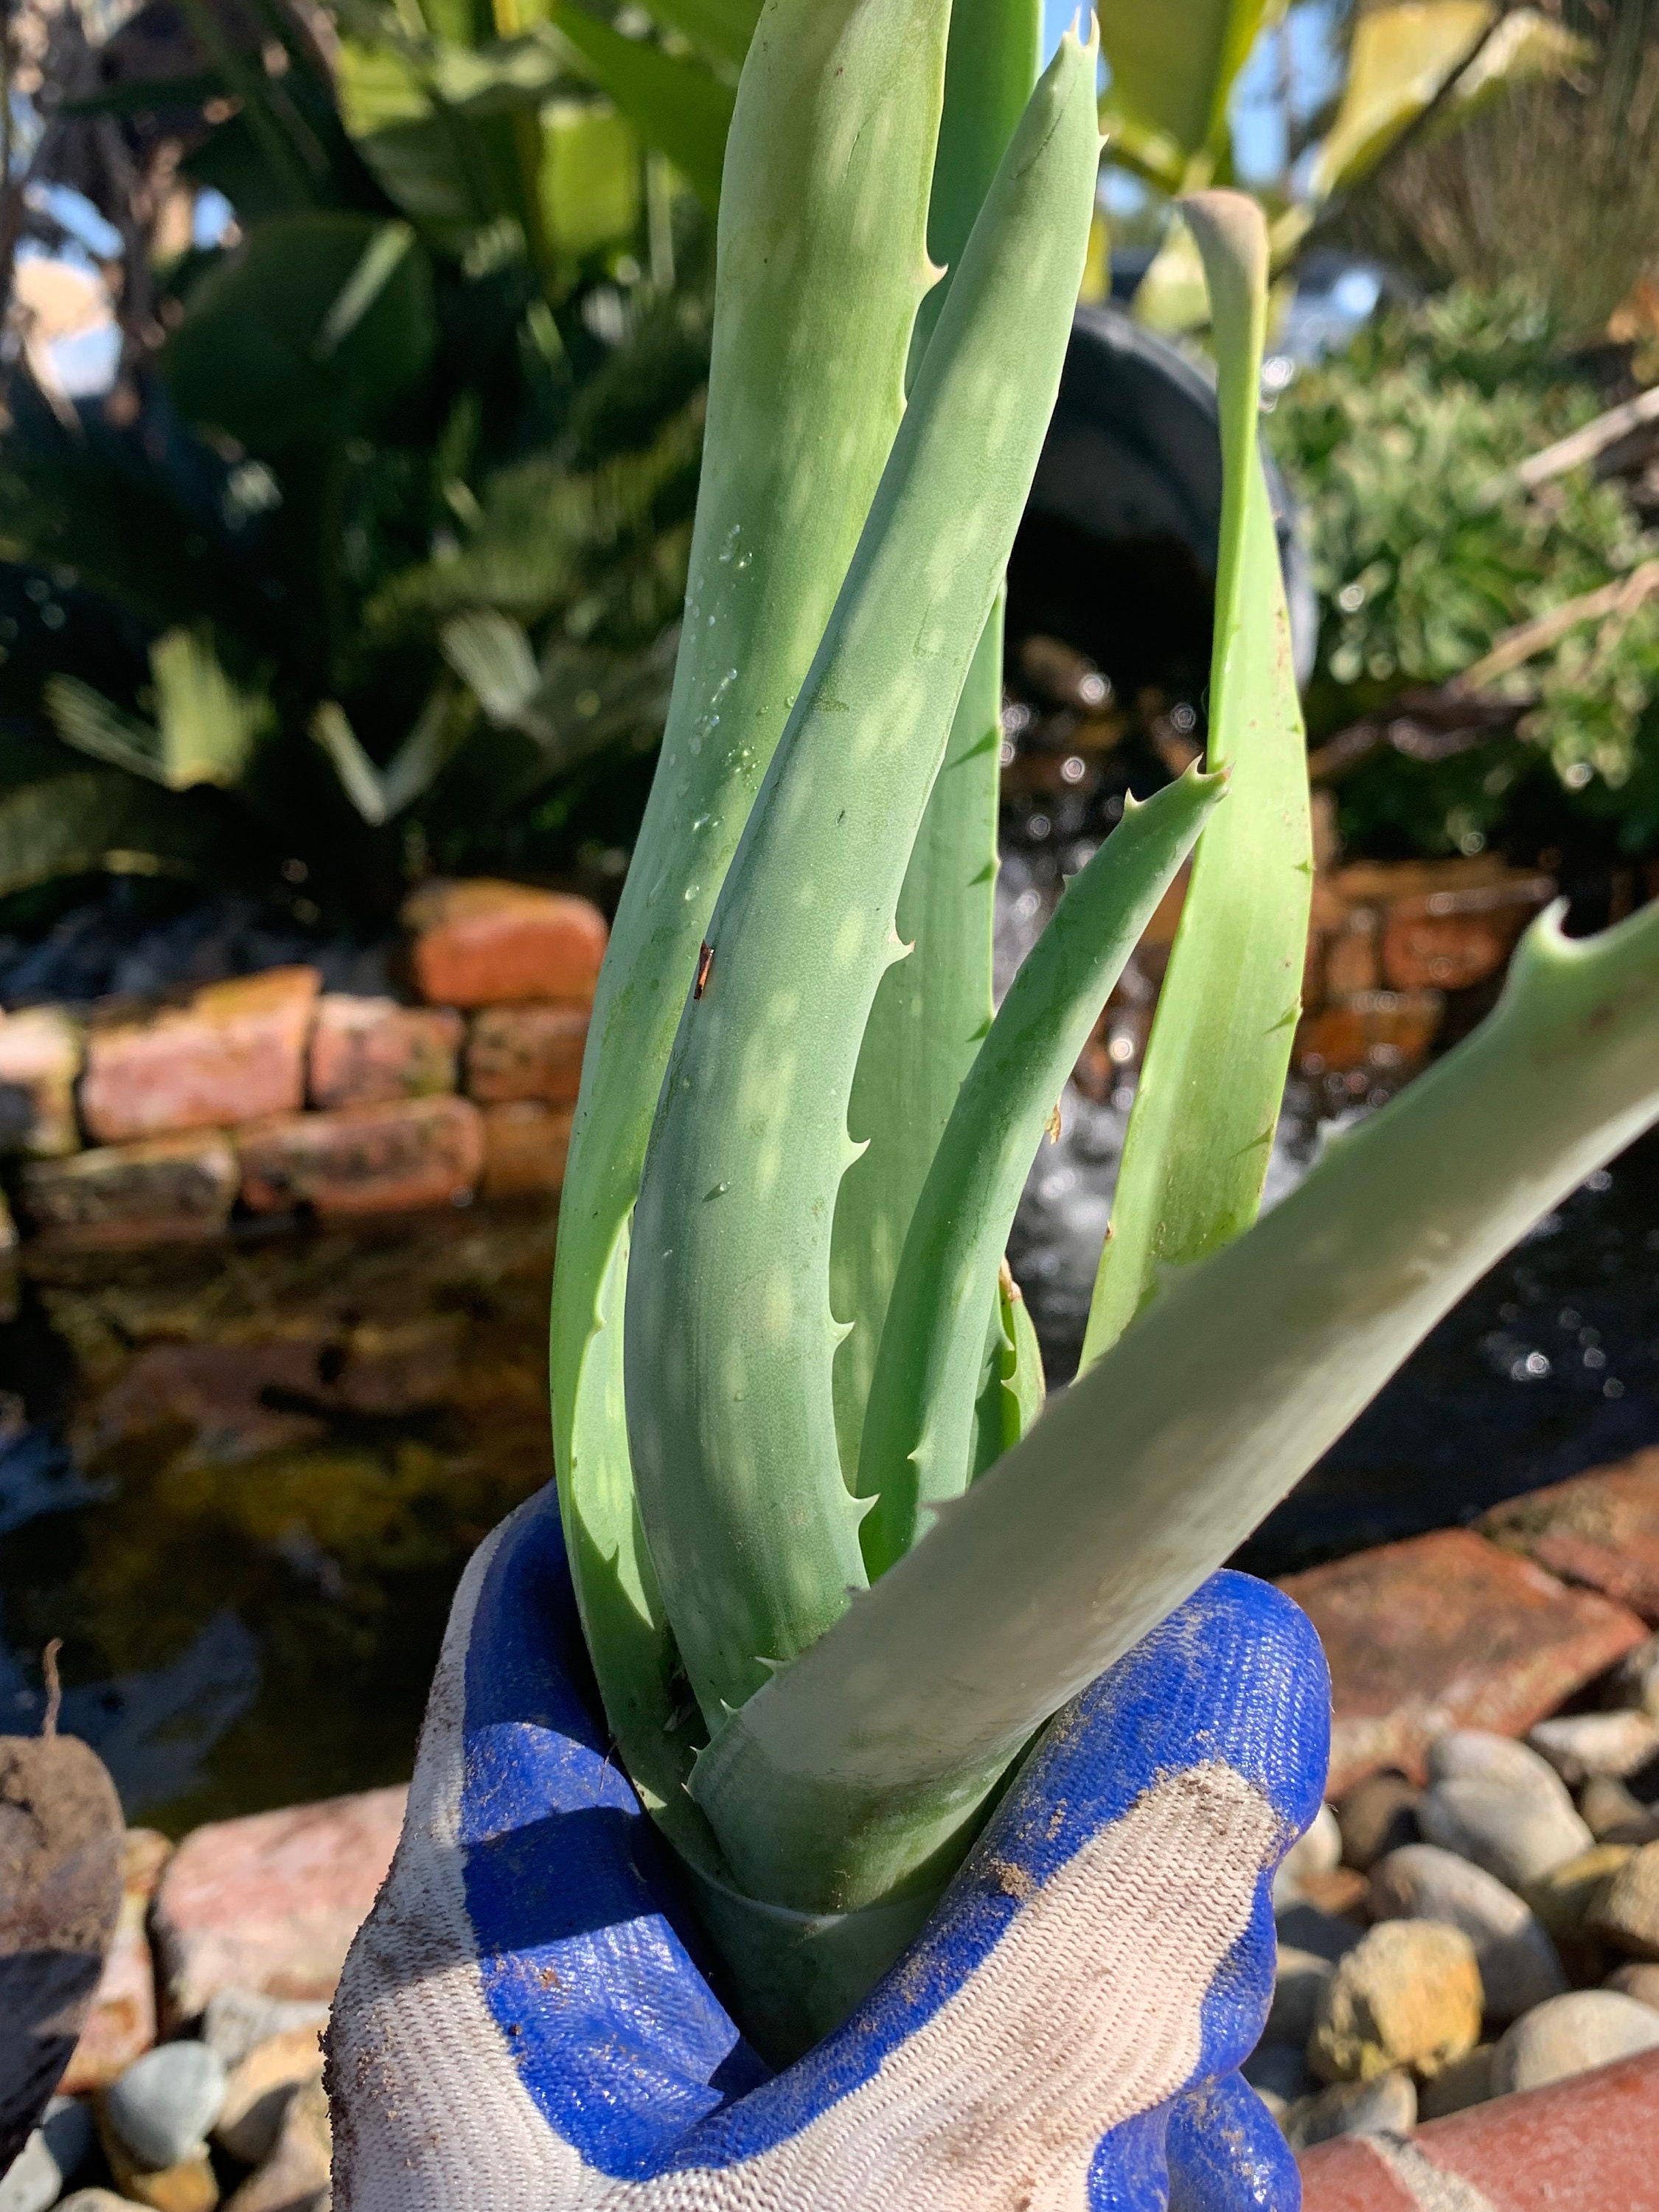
x=836 y=1563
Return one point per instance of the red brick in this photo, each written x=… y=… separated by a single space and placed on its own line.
x=400 y=1158
x=39 y=1059
x=477 y=942
x=1453 y=937
x=1446 y=1631
x=1600 y=1529
x=121 y=2025
x=271 y=1902
x=1351 y=963
x=172 y=1190
x=525 y=1149
x=526 y=1052
x=1388 y=1032
x=234 y=1052
x=1583 y=2145
x=366 y=1052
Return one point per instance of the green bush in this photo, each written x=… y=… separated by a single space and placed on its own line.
x=1393 y=448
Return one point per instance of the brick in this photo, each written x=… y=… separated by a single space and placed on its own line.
x=121 y=2025
x=1446 y=1631
x=234 y=1052
x=1600 y=1529
x=477 y=942
x=400 y=1158
x=1352 y=959
x=1386 y=1032
x=40 y=1052
x=1455 y=936
x=171 y=1190
x=271 y=1902
x=367 y=1052
x=1582 y=2145
x=530 y=1051
x=525 y=1149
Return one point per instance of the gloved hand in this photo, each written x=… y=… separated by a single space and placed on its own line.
x=522 y=2025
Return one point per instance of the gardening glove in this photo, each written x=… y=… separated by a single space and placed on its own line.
x=523 y=2022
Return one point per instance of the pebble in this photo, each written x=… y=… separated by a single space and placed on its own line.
x=238 y=2020
x=1614 y=1815
x=1569 y=2035
x=1278 y=2071
x=1579 y=1745
x=53 y=2154
x=189 y=2186
x=161 y=2108
x=1297 y=1987
x=1627 y=1912
x=1303 y=1927
x=1477 y=1754
x=1635 y=1680
x=1518 y=1964
x=97 y=2200
x=296 y=2176
x=1317 y=1851
x=258 y=2093
x=1377 y=1816
x=1516 y=1830
x=1408 y=1995
x=1465 y=2082
x=1638 y=1978
x=1386 y=2105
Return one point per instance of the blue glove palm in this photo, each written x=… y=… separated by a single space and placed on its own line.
x=524 y=2023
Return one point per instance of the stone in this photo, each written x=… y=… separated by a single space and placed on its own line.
x=294 y=2177
x=1627 y=1912
x=1328 y=1936
x=525 y=1149
x=1613 y=1815
x=479 y=942
x=170 y=1190
x=235 y=1052
x=1518 y=1964
x=1582 y=2145
x=400 y=1158
x=121 y=2025
x=1386 y=1033
x=40 y=1050
x=161 y=2110
x=1635 y=1680
x=532 y=1052
x=1517 y=1833
x=1568 y=1898
x=54 y=2154
x=257 y=2094
x=1408 y=1995
x=189 y=2186
x=1445 y=1630
x=270 y=1902
x=60 y=1896
x=95 y=2200
x=1481 y=1754
x=1579 y=1745
x=1453 y=939
x=367 y=1052
x=1340 y=1893
x=1352 y=961
x=1278 y=2070
x=1638 y=1978
x=1600 y=1529
x=1571 y=2034
x=1377 y=1816
x=1298 y=1986
x=236 y=2021
x=1465 y=2082
x=1317 y=1851
x=1386 y=2105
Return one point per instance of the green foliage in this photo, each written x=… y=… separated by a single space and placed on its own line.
x=1392 y=449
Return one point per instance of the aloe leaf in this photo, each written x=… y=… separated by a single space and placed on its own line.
x=1024 y=1386
x=1201 y=1128
x=729 y=1335
x=933 y=1008
x=827 y=171
x=918 y=1427
x=867 y=1759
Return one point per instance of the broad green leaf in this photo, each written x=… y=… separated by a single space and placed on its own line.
x=933 y=1008
x=591 y=176
x=492 y=654
x=677 y=105
x=919 y=1422
x=205 y=728
x=1173 y=66
x=1150 y=155
x=1201 y=1128
x=380 y=794
x=733 y=1431
x=831 y=158
x=311 y=331
x=870 y=1754
x=97 y=820
x=1400 y=56
x=721 y=29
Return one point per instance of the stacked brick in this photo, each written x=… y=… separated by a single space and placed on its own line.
x=132 y=1124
